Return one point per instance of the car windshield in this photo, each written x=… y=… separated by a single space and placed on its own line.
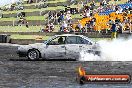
x=45 y=42
x=90 y=40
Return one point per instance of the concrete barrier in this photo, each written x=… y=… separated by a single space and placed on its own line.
x=89 y=34
x=25 y=41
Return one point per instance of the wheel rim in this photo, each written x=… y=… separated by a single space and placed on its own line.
x=32 y=55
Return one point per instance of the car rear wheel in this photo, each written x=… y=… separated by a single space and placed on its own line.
x=33 y=55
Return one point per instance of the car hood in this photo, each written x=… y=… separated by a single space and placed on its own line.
x=37 y=45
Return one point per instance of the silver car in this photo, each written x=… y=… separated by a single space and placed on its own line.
x=66 y=46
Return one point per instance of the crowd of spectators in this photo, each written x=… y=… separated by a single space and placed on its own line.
x=64 y=18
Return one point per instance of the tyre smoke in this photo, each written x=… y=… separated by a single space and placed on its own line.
x=111 y=50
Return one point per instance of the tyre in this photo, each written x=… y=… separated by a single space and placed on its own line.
x=33 y=54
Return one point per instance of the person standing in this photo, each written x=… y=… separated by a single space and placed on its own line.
x=114 y=30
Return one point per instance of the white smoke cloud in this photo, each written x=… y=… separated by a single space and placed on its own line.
x=112 y=50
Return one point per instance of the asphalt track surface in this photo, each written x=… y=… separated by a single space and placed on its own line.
x=18 y=72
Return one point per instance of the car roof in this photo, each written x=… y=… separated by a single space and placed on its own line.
x=68 y=35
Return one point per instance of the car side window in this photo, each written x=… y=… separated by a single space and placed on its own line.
x=71 y=40
x=57 y=41
x=81 y=40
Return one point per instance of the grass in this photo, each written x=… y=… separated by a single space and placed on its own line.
x=35 y=18
x=118 y=2
x=28 y=18
x=54 y=1
x=33 y=10
x=24 y=29
x=7 y=19
x=77 y=16
x=99 y=39
x=19 y=29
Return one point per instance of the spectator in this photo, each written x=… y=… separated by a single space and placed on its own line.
x=49 y=27
x=119 y=10
x=52 y=27
x=68 y=17
x=79 y=26
x=21 y=21
x=92 y=5
x=49 y=15
x=71 y=29
x=87 y=26
x=27 y=24
x=63 y=26
x=42 y=4
x=117 y=21
x=87 y=13
x=19 y=6
x=92 y=22
x=127 y=23
x=73 y=10
x=114 y=30
x=21 y=14
x=110 y=22
x=125 y=20
x=116 y=7
x=104 y=3
x=120 y=27
x=60 y=18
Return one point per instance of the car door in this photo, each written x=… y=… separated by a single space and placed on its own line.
x=72 y=48
x=55 y=50
x=84 y=44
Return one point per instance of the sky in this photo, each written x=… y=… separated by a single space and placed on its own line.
x=4 y=2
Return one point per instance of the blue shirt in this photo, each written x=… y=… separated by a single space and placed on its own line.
x=113 y=28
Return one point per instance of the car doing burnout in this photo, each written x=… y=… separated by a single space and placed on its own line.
x=66 y=46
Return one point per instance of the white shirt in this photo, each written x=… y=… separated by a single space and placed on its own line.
x=68 y=16
x=88 y=13
x=64 y=25
x=80 y=26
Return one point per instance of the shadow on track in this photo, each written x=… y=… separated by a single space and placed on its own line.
x=43 y=60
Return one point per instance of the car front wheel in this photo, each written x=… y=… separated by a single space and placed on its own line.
x=33 y=55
